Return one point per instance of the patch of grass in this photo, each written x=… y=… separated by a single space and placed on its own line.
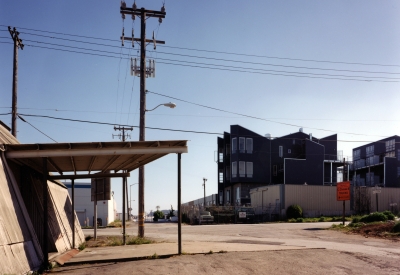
x=116 y=223
x=138 y=240
x=222 y=251
x=299 y=220
x=209 y=252
x=154 y=256
x=321 y=219
x=82 y=246
x=396 y=228
x=114 y=241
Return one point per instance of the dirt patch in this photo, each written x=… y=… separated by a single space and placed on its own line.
x=377 y=230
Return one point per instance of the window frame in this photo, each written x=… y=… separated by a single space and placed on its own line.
x=249 y=167
x=242 y=168
x=249 y=145
x=234 y=169
x=234 y=145
x=242 y=143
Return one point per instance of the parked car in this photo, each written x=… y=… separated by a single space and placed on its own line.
x=205 y=217
x=245 y=215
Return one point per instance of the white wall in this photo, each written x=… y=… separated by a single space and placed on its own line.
x=85 y=208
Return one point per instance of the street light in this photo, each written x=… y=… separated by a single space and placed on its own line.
x=130 y=200
x=204 y=184
x=169 y=104
x=142 y=126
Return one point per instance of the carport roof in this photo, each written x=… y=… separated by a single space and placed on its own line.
x=92 y=156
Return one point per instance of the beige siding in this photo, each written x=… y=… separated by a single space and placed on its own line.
x=265 y=199
x=385 y=198
x=315 y=200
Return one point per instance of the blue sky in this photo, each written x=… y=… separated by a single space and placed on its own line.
x=279 y=37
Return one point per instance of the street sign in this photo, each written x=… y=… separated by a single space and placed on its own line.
x=343 y=191
x=242 y=215
x=376 y=190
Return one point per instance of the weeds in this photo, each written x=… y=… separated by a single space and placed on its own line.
x=138 y=240
x=82 y=246
x=154 y=256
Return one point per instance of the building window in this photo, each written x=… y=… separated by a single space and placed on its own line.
x=370 y=151
x=294 y=141
x=280 y=151
x=289 y=151
x=228 y=196
x=234 y=169
x=221 y=154
x=221 y=175
x=398 y=171
x=241 y=169
x=228 y=173
x=356 y=154
x=390 y=145
x=238 y=194
x=242 y=145
x=369 y=178
x=234 y=146
x=220 y=197
x=249 y=145
x=275 y=170
x=390 y=154
x=398 y=154
x=249 y=169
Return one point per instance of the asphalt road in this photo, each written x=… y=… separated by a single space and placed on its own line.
x=308 y=235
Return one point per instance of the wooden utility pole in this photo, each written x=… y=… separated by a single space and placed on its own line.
x=17 y=44
x=124 y=184
x=142 y=13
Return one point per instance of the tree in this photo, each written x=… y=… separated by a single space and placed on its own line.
x=158 y=215
x=171 y=212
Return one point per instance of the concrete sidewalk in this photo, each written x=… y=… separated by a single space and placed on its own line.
x=144 y=251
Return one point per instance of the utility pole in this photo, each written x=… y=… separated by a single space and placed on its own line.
x=204 y=185
x=124 y=183
x=142 y=13
x=17 y=44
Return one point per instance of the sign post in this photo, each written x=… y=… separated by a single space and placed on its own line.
x=376 y=190
x=343 y=194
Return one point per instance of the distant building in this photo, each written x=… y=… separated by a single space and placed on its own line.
x=84 y=207
x=377 y=163
x=247 y=160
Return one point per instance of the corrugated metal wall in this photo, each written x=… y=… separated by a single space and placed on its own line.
x=315 y=200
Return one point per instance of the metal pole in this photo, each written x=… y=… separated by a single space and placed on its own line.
x=376 y=196
x=123 y=211
x=179 y=207
x=73 y=212
x=95 y=215
x=204 y=199
x=142 y=117
x=45 y=214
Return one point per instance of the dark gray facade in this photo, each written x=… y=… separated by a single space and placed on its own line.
x=377 y=163
x=248 y=160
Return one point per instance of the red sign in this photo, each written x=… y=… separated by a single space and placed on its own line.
x=343 y=191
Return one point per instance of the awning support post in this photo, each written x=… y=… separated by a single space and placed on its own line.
x=179 y=207
x=45 y=210
x=123 y=211
x=73 y=212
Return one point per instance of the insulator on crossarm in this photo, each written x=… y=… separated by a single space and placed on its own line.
x=154 y=68
x=154 y=41
x=123 y=36
x=123 y=4
x=163 y=8
x=131 y=66
x=134 y=7
x=133 y=41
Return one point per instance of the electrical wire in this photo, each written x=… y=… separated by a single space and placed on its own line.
x=214 y=51
x=113 y=124
x=258 y=118
x=213 y=68
x=21 y=118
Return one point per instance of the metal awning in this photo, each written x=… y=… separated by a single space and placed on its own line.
x=92 y=157
x=91 y=160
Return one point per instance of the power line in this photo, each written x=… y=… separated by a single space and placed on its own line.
x=122 y=125
x=225 y=66
x=214 y=68
x=21 y=118
x=254 y=117
x=219 y=52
